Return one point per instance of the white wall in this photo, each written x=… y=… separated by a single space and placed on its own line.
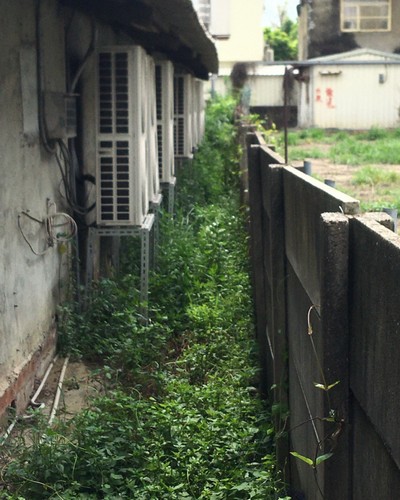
x=351 y=97
x=29 y=177
x=246 y=41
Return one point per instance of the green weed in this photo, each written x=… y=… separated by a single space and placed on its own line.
x=350 y=148
x=181 y=417
x=373 y=176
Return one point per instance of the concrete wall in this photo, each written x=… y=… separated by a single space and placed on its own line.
x=326 y=283
x=319 y=31
x=33 y=285
x=30 y=178
x=316 y=319
x=375 y=367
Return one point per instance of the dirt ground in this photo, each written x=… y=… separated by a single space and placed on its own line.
x=343 y=175
x=81 y=382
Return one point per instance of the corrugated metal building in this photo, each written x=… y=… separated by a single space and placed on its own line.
x=354 y=90
x=264 y=85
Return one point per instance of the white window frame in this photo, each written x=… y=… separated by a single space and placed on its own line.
x=358 y=17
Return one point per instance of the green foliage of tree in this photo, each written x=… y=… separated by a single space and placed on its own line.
x=283 y=40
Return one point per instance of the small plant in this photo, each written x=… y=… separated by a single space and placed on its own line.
x=333 y=436
x=181 y=417
x=373 y=176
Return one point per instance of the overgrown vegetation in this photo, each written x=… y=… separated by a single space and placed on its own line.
x=181 y=417
x=356 y=148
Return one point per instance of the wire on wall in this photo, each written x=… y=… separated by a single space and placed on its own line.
x=59 y=228
x=47 y=143
x=65 y=163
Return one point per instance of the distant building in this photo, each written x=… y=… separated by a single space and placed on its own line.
x=353 y=90
x=332 y=26
x=236 y=27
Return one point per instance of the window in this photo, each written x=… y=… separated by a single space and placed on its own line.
x=365 y=15
x=219 y=18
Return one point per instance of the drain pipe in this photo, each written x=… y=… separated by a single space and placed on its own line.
x=58 y=393
x=6 y=435
x=33 y=403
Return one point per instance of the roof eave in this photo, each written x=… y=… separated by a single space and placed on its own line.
x=168 y=27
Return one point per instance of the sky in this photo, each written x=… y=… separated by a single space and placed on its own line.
x=271 y=17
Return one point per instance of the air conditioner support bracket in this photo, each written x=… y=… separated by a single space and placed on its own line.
x=169 y=188
x=144 y=232
x=155 y=207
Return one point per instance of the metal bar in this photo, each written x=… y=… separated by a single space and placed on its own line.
x=171 y=196
x=144 y=271
x=89 y=262
x=144 y=231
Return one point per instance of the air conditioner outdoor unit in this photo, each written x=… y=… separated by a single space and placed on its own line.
x=152 y=139
x=164 y=77
x=122 y=191
x=183 y=143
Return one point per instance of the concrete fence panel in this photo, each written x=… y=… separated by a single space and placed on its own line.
x=305 y=199
x=374 y=361
x=328 y=324
x=318 y=365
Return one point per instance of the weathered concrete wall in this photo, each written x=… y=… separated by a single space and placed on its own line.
x=330 y=280
x=29 y=178
x=305 y=200
x=33 y=285
x=374 y=362
x=316 y=288
x=320 y=33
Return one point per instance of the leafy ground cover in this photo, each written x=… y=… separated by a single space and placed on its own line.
x=365 y=165
x=180 y=416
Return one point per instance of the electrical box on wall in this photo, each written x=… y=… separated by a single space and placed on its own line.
x=60 y=115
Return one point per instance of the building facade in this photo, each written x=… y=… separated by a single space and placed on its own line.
x=78 y=88
x=236 y=27
x=331 y=26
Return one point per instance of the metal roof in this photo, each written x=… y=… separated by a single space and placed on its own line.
x=357 y=55
x=170 y=27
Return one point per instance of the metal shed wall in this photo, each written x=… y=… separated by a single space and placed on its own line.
x=358 y=96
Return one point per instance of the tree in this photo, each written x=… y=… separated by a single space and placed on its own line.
x=283 y=40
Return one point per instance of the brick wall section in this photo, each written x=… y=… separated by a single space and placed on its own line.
x=22 y=383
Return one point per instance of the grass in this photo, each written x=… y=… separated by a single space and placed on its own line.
x=367 y=153
x=350 y=148
x=181 y=417
x=372 y=176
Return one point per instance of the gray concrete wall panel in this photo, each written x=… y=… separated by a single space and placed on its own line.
x=375 y=327
x=305 y=200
